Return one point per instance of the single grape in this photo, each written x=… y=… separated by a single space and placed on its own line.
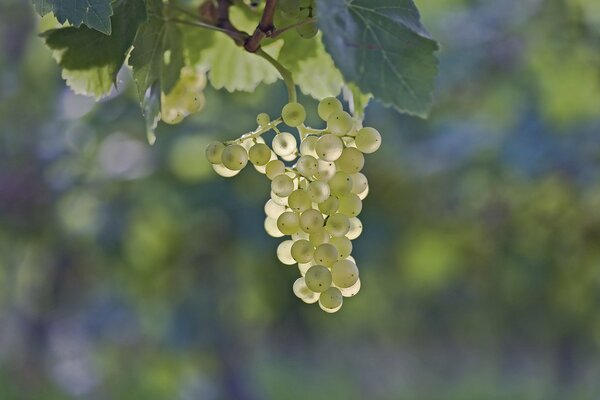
x=319 y=237
x=234 y=157
x=307 y=165
x=299 y=200
x=329 y=147
x=302 y=251
x=318 y=191
x=345 y=273
x=293 y=114
x=363 y=194
x=259 y=154
x=311 y=221
x=326 y=254
x=308 y=30
x=271 y=228
x=340 y=184
x=318 y=278
x=284 y=144
x=329 y=206
x=331 y=300
x=352 y=290
x=350 y=205
x=290 y=9
x=340 y=123
x=359 y=183
x=303 y=292
x=194 y=102
x=328 y=106
x=337 y=225
x=303 y=267
x=288 y=222
x=307 y=147
x=222 y=170
x=355 y=228
x=351 y=161
x=290 y=157
x=214 y=151
x=173 y=116
x=273 y=210
x=368 y=140
x=282 y=185
x=325 y=170
x=343 y=246
x=274 y=168
x=263 y=119
x=284 y=252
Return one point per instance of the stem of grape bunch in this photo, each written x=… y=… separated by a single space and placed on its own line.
x=285 y=74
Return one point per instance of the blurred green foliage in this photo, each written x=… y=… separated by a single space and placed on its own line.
x=130 y=271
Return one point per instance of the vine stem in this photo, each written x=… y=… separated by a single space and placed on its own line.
x=285 y=74
x=256 y=133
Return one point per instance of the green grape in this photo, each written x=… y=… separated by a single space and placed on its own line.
x=329 y=206
x=308 y=30
x=368 y=140
x=263 y=119
x=288 y=222
x=300 y=235
x=307 y=165
x=326 y=254
x=319 y=237
x=259 y=154
x=284 y=252
x=344 y=273
x=350 y=205
x=271 y=228
x=328 y=106
x=282 y=185
x=302 y=251
x=273 y=210
x=318 y=278
x=263 y=168
x=299 y=200
x=234 y=157
x=214 y=151
x=293 y=114
x=284 y=144
x=340 y=123
x=352 y=290
x=329 y=147
x=331 y=300
x=307 y=147
x=274 y=168
x=363 y=194
x=194 y=102
x=311 y=221
x=173 y=116
x=359 y=183
x=318 y=191
x=290 y=157
x=222 y=170
x=303 y=292
x=282 y=201
x=337 y=225
x=303 y=267
x=290 y=9
x=355 y=228
x=351 y=161
x=340 y=184
x=343 y=246
x=325 y=170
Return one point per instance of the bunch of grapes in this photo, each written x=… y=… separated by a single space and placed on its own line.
x=317 y=190
x=185 y=97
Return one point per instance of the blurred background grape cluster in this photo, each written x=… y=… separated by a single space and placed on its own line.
x=130 y=271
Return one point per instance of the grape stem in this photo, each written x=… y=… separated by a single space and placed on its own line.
x=256 y=133
x=285 y=74
x=265 y=27
x=281 y=31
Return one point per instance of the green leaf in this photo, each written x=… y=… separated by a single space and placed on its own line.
x=93 y=13
x=382 y=47
x=91 y=60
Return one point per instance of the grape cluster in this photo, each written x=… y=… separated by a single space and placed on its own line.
x=317 y=190
x=303 y=12
x=185 y=97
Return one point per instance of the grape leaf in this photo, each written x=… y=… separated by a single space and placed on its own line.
x=93 y=13
x=382 y=47
x=317 y=76
x=91 y=60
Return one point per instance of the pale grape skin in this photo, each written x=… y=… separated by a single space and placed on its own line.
x=319 y=237
x=214 y=151
x=327 y=106
x=274 y=168
x=318 y=191
x=307 y=165
x=223 y=171
x=311 y=220
x=351 y=161
x=307 y=147
x=344 y=273
x=318 y=278
x=284 y=144
x=234 y=157
x=337 y=225
x=271 y=228
x=273 y=210
x=282 y=185
x=359 y=183
x=299 y=200
x=259 y=154
x=283 y=201
x=303 y=292
x=368 y=140
x=284 y=253
x=326 y=254
x=329 y=147
x=343 y=246
x=293 y=114
x=340 y=184
x=263 y=119
x=288 y=222
x=331 y=300
x=340 y=123
x=325 y=170
x=329 y=206
x=355 y=228
x=352 y=290
x=350 y=205
x=302 y=251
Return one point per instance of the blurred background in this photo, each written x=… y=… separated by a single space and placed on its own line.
x=130 y=271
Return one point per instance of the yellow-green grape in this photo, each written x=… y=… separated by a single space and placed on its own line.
x=282 y=185
x=331 y=300
x=273 y=210
x=259 y=154
x=328 y=106
x=329 y=147
x=302 y=251
x=318 y=191
x=351 y=161
x=329 y=206
x=337 y=225
x=368 y=140
x=234 y=157
x=303 y=267
x=288 y=222
x=326 y=254
x=318 y=278
x=214 y=151
x=263 y=168
x=359 y=183
x=299 y=200
x=284 y=252
x=225 y=172
x=194 y=102
x=307 y=147
x=311 y=220
x=300 y=235
x=293 y=114
x=307 y=165
x=274 y=168
x=344 y=273
x=173 y=116
x=282 y=201
x=284 y=144
x=290 y=157
x=271 y=228
x=308 y=30
x=355 y=228
x=303 y=292
x=340 y=123
x=319 y=237
x=325 y=170
x=364 y=194
x=263 y=119
x=343 y=246
x=352 y=290
x=340 y=184
x=350 y=205
x=290 y=9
